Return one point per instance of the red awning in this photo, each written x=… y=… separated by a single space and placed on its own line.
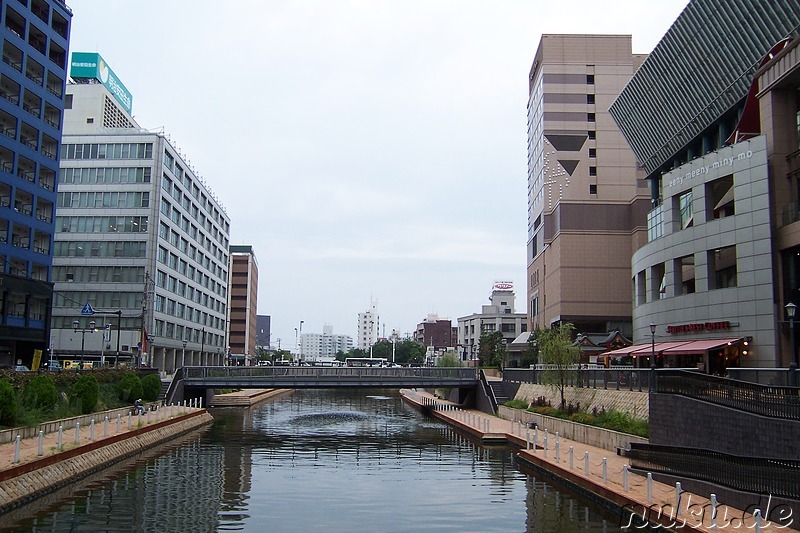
x=660 y=347
x=694 y=347
x=626 y=351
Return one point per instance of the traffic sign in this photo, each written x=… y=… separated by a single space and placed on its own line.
x=87 y=309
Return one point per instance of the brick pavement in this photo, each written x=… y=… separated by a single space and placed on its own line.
x=695 y=510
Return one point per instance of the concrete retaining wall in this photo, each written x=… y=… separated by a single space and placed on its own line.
x=634 y=403
x=51 y=473
x=593 y=436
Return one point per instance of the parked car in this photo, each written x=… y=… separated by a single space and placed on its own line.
x=21 y=368
x=54 y=366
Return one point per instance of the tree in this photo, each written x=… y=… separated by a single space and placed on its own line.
x=408 y=352
x=449 y=360
x=491 y=349
x=8 y=403
x=556 y=349
x=85 y=392
x=151 y=387
x=40 y=393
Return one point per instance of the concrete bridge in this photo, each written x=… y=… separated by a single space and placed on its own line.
x=196 y=381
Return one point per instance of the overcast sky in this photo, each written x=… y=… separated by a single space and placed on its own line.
x=367 y=150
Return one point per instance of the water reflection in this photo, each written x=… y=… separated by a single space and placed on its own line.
x=339 y=460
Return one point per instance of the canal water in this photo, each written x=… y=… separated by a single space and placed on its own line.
x=316 y=460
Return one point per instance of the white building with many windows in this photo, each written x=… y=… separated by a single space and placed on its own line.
x=368 y=323
x=140 y=238
x=324 y=346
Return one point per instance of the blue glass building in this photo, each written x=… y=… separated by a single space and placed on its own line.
x=35 y=40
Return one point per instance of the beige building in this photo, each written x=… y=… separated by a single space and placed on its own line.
x=586 y=203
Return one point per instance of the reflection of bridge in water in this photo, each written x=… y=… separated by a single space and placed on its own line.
x=194 y=381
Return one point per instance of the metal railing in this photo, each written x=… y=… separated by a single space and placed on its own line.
x=781 y=377
x=255 y=372
x=619 y=378
x=778 y=477
x=765 y=400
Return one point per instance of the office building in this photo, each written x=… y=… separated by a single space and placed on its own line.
x=499 y=315
x=317 y=347
x=141 y=243
x=586 y=208
x=712 y=116
x=242 y=305
x=33 y=74
x=263 y=332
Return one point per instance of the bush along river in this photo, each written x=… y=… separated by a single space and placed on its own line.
x=342 y=460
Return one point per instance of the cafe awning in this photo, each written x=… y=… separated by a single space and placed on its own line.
x=701 y=346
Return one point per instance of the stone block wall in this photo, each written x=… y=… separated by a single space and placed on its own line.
x=634 y=403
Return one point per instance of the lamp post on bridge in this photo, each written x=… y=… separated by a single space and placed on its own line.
x=83 y=331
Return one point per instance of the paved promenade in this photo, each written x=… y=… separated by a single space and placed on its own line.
x=555 y=458
x=13 y=456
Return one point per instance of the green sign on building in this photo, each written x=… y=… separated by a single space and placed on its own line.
x=90 y=65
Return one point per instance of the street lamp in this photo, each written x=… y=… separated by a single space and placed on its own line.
x=83 y=331
x=791 y=309
x=653 y=344
x=183 y=353
x=301 y=343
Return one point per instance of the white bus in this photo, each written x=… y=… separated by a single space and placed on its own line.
x=366 y=361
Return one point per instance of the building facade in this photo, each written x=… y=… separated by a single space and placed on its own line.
x=435 y=332
x=33 y=75
x=586 y=207
x=242 y=305
x=499 y=315
x=720 y=261
x=264 y=331
x=317 y=347
x=368 y=323
x=141 y=242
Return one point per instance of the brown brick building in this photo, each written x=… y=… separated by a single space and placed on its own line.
x=242 y=305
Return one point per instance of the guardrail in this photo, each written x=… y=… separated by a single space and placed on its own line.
x=326 y=377
x=781 y=377
x=777 y=477
x=620 y=378
x=765 y=400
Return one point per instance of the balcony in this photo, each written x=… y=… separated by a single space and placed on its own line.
x=12 y=56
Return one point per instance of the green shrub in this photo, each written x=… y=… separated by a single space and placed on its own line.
x=40 y=393
x=582 y=418
x=151 y=387
x=516 y=404
x=129 y=388
x=8 y=403
x=85 y=392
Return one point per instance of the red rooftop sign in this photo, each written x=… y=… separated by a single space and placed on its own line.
x=702 y=326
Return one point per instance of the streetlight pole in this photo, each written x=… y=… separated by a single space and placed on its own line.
x=183 y=353
x=791 y=309
x=653 y=344
x=202 y=346
x=76 y=327
x=301 y=342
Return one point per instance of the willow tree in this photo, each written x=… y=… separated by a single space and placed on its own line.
x=556 y=349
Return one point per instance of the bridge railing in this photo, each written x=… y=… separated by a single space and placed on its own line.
x=287 y=372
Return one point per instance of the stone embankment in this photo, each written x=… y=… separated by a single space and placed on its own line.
x=246 y=398
x=37 y=465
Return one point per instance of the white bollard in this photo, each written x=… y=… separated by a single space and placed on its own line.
x=148 y=416
x=91 y=430
x=677 y=498
x=16 y=449
x=586 y=463
x=119 y=419
x=649 y=487
x=40 y=452
x=544 y=444
x=558 y=453
x=60 y=434
x=571 y=455
x=527 y=438
x=605 y=470
x=105 y=427
x=625 y=478
x=129 y=421
x=200 y=403
x=535 y=437
x=77 y=431
x=757 y=518
x=714 y=504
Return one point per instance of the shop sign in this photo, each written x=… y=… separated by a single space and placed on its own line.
x=701 y=326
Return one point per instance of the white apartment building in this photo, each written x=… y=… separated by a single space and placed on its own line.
x=499 y=316
x=324 y=346
x=368 y=323
x=140 y=240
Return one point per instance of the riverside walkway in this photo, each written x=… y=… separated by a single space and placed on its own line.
x=597 y=472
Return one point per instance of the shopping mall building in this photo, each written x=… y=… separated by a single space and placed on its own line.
x=713 y=116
